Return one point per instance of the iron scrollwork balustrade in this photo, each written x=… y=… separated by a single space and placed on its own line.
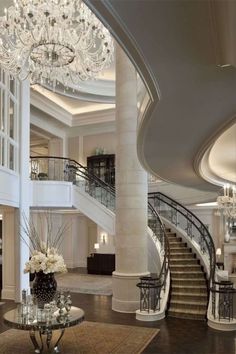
x=174 y=213
x=150 y=291
x=189 y=227
x=223 y=300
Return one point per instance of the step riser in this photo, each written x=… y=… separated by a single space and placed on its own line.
x=183 y=262
x=184 y=282
x=189 y=297
x=174 y=239
x=187 y=276
x=176 y=245
x=182 y=256
x=187 y=307
x=187 y=316
x=183 y=268
x=181 y=250
x=192 y=290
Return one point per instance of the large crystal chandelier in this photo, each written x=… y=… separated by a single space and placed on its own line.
x=53 y=42
x=227 y=202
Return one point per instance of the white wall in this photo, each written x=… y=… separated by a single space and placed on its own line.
x=106 y=141
x=215 y=224
x=74 y=148
x=105 y=241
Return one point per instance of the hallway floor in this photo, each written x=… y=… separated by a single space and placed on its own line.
x=176 y=336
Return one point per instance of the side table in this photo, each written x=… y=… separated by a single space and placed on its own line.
x=38 y=328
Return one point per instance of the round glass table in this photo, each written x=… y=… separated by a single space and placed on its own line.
x=39 y=328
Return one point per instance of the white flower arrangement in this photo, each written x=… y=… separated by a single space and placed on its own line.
x=44 y=255
x=49 y=262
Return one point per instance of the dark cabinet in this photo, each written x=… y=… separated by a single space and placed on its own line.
x=102 y=166
x=101 y=263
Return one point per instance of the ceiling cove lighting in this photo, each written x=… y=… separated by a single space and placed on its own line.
x=53 y=42
x=227 y=203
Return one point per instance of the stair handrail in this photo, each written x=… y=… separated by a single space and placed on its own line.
x=193 y=220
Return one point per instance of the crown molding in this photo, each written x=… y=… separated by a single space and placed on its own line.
x=88 y=118
x=51 y=108
x=40 y=120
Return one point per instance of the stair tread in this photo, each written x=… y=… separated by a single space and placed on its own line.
x=188 y=294
x=185 y=265
x=190 y=286
x=186 y=272
x=187 y=302
x=189 y=279
x=192 y=311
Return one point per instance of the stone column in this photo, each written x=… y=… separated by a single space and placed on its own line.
x=131 y=193
x=22 y=252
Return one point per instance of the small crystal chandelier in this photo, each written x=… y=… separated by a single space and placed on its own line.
x=53 y=42
x=227 y=202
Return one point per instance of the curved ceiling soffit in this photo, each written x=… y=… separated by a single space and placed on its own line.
x=202 y=160
x=198 y=96
x=186 y=56
x=111 y=19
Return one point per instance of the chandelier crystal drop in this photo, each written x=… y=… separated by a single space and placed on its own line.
x=227 y=202
x=53 y=42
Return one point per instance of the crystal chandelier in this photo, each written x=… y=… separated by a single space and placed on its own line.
x=53 y=42
x=227 y=202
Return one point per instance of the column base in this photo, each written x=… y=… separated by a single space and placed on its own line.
x=126 y=295
x=149 y=316
x=8 y=293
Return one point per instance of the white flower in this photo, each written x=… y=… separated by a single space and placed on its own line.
x=50 y=262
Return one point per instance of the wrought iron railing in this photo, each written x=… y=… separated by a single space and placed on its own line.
x=150 y=287
x=150 y=294
x=183 y=218
x=223 y=300
x=64 y=169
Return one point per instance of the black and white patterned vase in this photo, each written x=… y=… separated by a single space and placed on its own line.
x=44 y=288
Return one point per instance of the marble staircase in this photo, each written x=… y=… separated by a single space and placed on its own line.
x=188 y=297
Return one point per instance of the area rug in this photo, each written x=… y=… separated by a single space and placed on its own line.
x=86 y=338
x=85 y=283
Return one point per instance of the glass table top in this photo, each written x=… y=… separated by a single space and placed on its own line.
x=15 y=319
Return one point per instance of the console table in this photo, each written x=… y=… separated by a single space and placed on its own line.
x=101 y=263
x=14 y=320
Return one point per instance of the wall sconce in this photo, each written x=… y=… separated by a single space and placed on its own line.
x=104 y=238
x=218 y=253
x=96 y=246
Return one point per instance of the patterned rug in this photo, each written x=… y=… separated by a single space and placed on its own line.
x=85 y=283
x=86 y=338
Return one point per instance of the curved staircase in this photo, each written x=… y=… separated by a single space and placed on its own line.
x=188 y=298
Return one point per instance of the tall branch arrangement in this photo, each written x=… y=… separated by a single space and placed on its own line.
x=44 y=252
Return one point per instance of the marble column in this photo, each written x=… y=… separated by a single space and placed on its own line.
x=22 y=251
x=131 y=193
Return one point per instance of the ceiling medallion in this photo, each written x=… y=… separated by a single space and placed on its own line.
x=53 y=42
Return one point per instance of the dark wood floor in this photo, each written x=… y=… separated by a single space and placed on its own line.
x=175 y=337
